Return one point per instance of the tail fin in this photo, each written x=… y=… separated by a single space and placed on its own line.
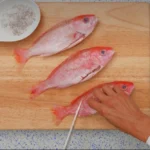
x=60 y=112
x=21 y=55
x=38 y=89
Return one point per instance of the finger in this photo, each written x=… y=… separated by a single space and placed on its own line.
x=98 y=93
x=94 y=104
x=108 y=90
x=117 y=89
x=101 y=108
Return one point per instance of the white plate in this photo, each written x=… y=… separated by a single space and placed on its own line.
x=6 y=34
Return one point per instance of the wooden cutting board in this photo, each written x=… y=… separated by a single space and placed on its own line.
x=123 y=26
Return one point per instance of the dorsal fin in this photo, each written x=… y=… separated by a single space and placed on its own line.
x=57 y=25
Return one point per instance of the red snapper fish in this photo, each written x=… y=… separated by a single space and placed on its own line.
x=78 y=68
x=85 y=110
x=59 y=38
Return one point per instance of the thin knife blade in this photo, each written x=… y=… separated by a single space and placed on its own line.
x=72 y=125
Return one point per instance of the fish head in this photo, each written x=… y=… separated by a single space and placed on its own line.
x=85 y=24
x=104 y=54
x=126 y=86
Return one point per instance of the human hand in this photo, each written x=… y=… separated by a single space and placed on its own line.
x=120 y=110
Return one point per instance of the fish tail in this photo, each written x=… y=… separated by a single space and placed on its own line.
x=21 y=55
x=38 y=89
x=60 y=113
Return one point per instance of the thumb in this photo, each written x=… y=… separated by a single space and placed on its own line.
x=101 y=108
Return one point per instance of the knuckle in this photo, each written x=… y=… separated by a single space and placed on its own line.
x=114 y=97
x=110 y=103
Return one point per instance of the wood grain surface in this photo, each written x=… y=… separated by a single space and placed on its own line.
x=123 y=26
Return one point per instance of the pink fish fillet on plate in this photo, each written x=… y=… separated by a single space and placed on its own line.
x=79 y=67
x=62 y=111
x=59 y=38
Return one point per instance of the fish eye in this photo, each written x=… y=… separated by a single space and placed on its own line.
x=103 y=52
x=124 y=87
x=85 y=20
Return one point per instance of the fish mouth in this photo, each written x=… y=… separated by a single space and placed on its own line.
x=110 y=53
x=132 y=88
x=95 y=21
